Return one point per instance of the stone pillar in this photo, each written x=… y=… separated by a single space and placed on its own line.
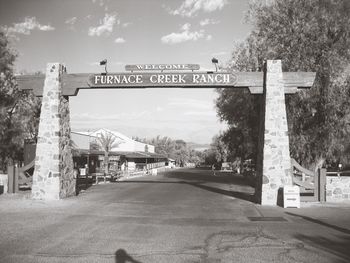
x=53 y=171
x=275 y=164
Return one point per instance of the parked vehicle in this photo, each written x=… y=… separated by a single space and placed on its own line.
x=226 y=167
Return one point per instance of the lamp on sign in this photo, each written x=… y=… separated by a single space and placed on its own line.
x=215 y=61
x=104 y=62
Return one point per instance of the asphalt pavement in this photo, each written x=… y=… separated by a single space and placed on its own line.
x=185 y=215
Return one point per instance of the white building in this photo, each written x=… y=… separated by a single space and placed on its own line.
x=127 y=155
x=126 y=144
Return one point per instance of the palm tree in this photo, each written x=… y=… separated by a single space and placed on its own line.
x=107 y=142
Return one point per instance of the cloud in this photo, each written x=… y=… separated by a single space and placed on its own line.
x=186 y=27
x=191 y=7
x=45 y=28
x=119 y=40
x=71 y=21
x=209 y=37
x=185 y=35
x=105 y=27
x=126 y=24
x=27 y=26
x=208 y=21
x=100 y=2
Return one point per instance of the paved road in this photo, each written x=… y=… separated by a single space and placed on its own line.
x=185 y=215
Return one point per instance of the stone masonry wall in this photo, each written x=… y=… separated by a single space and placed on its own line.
x=276 y=165
x=337 y=188
x=53 y=169
x=67 y=180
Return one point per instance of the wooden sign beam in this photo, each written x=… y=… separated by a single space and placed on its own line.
x=253 y=80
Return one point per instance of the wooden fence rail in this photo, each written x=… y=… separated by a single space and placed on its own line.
x=312 y=184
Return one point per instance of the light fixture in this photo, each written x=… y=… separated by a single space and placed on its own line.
x=215 y=61
x=104 y=62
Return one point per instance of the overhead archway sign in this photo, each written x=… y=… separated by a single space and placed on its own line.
x=54 y=178
x=72 y=83
x=162 y=79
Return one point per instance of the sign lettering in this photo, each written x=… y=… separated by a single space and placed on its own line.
x=162 y=79
x=161 y=67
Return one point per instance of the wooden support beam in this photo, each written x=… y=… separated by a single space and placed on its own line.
x=256 y=90
x=71 y=83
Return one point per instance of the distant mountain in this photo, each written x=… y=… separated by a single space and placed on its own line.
x=198 y=146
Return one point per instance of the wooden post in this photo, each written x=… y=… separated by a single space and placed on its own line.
x=86 y=181
x=15 y=185
x=322 y=184
x=11 y=175
x=12 y=172
x=317 y=185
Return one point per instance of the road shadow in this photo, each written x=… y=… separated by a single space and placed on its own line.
x=237 y=194
x=316 y=221
x=340 y=247
x=248 y=196
x=121 y=256
x=82 y=184
x=239 y=187
x=221 y=177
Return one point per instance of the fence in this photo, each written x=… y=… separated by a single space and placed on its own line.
x=148 y=166
x=312 y=184
x=338 y=186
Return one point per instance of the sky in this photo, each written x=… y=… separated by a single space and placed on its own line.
x=80 y=33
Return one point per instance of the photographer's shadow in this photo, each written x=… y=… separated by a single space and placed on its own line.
x=122 y=257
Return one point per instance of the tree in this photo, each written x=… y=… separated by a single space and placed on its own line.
x=8 y=93
x=19 y=111
x=178 y=150
x=309 y=35
x=209 y=157
x=164 y=145
x=218 y=152
x=107 y=142
x=220 y=149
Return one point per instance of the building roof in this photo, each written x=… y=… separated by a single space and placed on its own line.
x=82 y=140
x=140 y=155
x=134 y=155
